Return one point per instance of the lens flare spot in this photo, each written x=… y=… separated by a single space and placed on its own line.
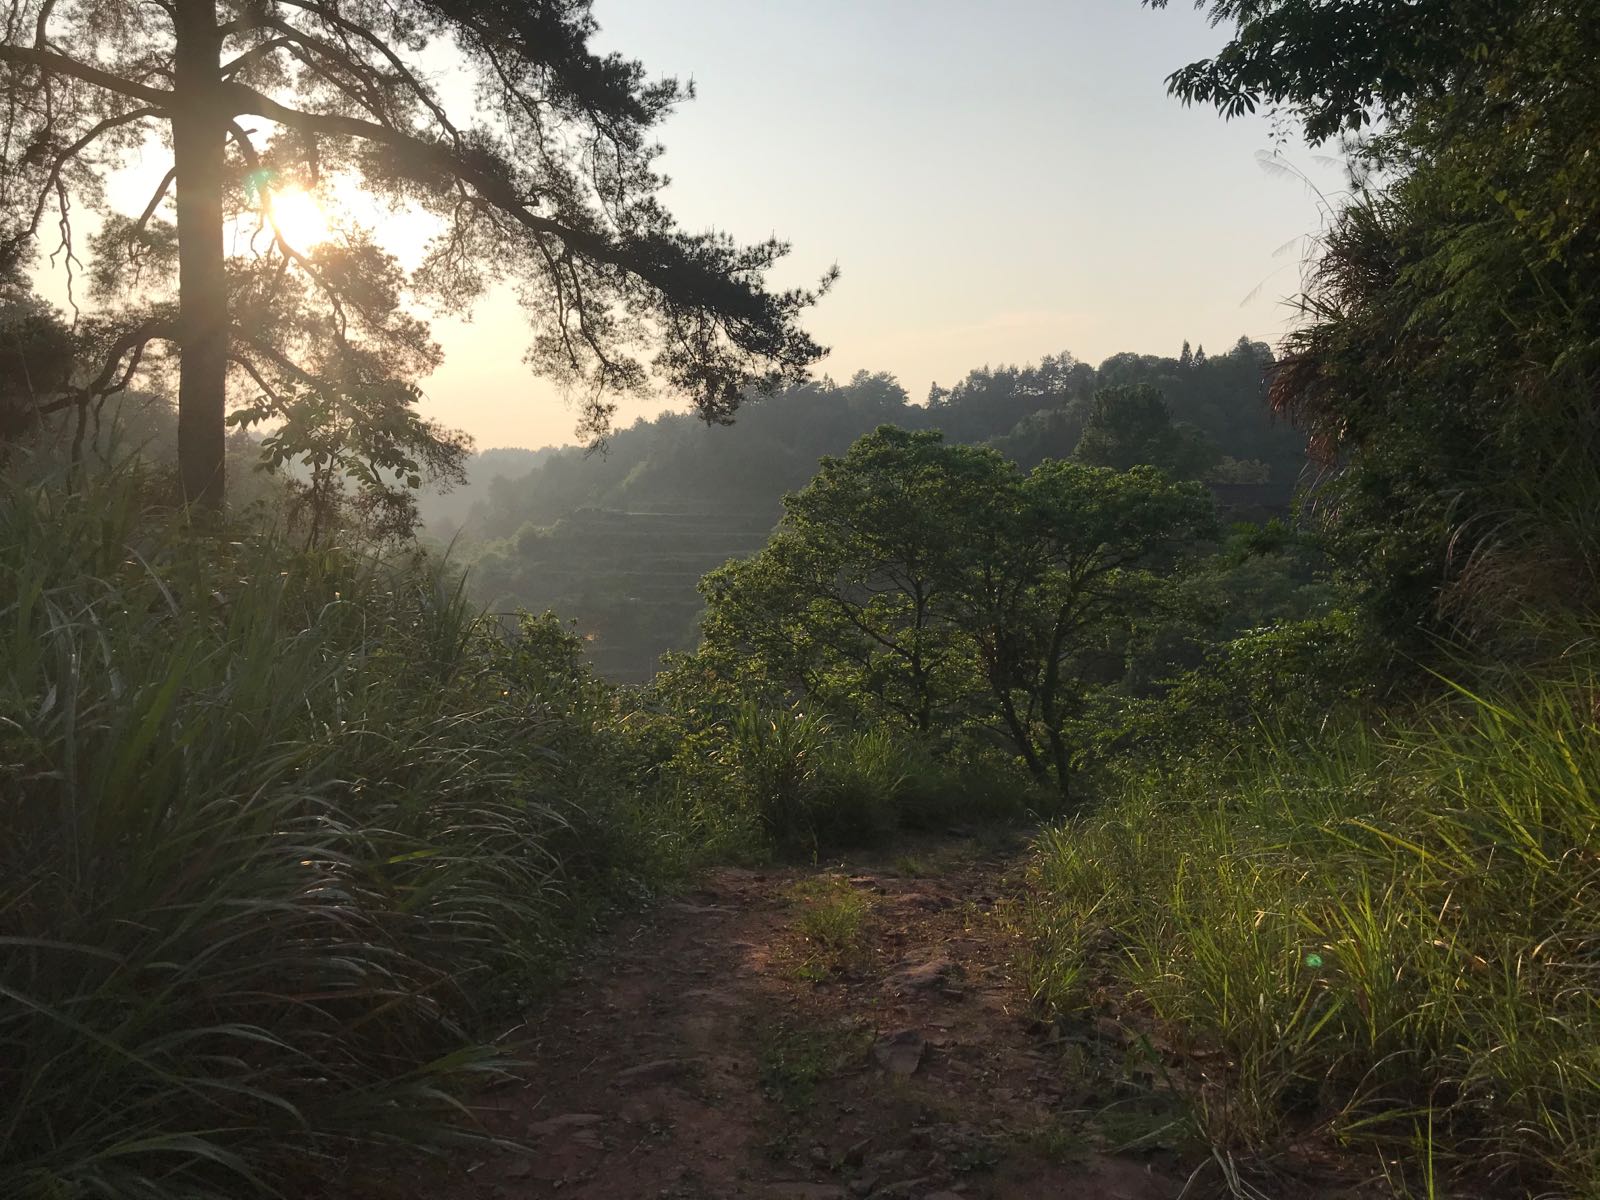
x=298 y=218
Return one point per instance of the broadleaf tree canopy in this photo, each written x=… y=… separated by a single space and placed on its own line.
x=1341 y=66
x=937 y=587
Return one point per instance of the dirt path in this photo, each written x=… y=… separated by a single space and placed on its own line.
x=848 y=1031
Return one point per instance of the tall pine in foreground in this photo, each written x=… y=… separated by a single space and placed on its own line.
x=534 y=154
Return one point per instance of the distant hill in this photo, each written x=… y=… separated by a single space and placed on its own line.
x=444 y=513
x=617 y=539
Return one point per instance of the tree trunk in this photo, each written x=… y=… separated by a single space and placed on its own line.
x=1063 y=764
x=1049 y=711
x=199 y=130
x=1020 y=736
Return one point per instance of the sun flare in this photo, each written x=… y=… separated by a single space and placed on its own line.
x=298 y=218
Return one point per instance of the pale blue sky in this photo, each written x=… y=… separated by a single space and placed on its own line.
x=997 y=181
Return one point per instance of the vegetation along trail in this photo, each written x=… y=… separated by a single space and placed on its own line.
x=383 y=822
x=847 y=1030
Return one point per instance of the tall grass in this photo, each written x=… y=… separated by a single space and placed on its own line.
x=1392 y=937
x=808 y=783
x=277 y=830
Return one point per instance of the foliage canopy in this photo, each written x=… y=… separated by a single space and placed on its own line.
x=533 y=156
x=937 y=586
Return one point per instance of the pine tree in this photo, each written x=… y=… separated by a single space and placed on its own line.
x=536 y=160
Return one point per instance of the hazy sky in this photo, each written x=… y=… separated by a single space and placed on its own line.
x=997 y=180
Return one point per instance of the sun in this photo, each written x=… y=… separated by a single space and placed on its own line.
x=298 y=218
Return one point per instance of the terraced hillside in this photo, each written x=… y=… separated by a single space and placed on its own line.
x=628 y=577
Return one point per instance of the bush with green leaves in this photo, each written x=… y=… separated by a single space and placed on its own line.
x=809 y=785
x=1448 y=365
x=1300 y=676
x=756 y=779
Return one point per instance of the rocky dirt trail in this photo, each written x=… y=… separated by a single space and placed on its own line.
x=857 y=1029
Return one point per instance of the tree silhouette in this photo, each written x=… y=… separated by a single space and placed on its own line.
x=1131 y=425
x=1339 y=66
x=533 y=153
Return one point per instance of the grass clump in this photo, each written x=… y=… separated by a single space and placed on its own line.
x=1383 y=936
x=813 y=786
x=807 y=786
x=795 y=1059
x=830 y=919
x=280 y=831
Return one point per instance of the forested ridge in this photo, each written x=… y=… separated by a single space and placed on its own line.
x=1178 y=776
x=616 y=538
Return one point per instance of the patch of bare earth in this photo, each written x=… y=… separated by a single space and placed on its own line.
x=855 y=1030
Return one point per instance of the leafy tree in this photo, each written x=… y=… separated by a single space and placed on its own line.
x=1080 y=553
x=1261 y=576
x=854 y=597
x=1448 y=370
x=991 y=401
x=365 y=452
x=1048 y=433
x=535 y=158
x=37 y=353
x=1339 y=66
x=936 y=584
x=1129 y=368
x=1130 y=426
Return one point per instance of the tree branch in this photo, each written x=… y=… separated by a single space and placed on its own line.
x=251 y=370
x=498 y=192
x=402 y=70
x=53 y=181
x=133 y=340
x=155 y=202
x=106 y=382
x=255 y=54
x=60 y=64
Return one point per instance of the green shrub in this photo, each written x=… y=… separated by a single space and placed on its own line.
x=971 y=784
x=1293 y=674
x=1382 y=934
x=807 y=786
x=772 y=761
x=861 y=780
